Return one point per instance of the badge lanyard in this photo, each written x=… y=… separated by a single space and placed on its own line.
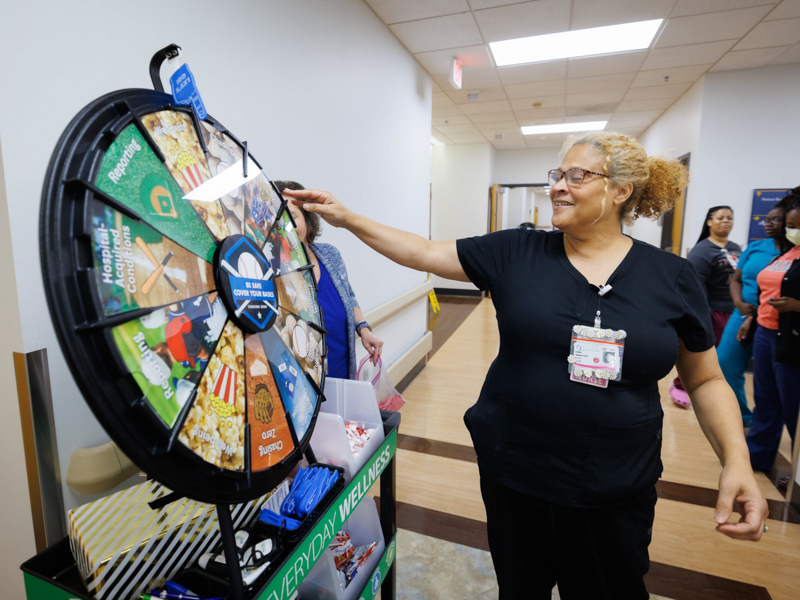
x=595 y=356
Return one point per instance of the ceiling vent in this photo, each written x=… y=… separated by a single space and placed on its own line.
x=498 y=136
x=473 y=96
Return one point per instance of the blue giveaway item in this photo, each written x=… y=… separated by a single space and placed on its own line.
x=271 y=518
x=184 y=91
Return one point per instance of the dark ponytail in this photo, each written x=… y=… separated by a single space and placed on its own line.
x=706 y=229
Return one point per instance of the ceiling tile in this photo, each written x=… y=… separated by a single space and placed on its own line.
x=681 y=56
x=449 y=130
x=639 y=105
x=642 y=115
x=772 y=33
x=440 y=136
x=792 y=55
x=665 y=90
x=512 y=145
x=544 y=141
x=497 y=117
x=479 y=4
x=710 y=27
x=391 y=11
x=435 y=86
x=586 y=109
x=595 y=97
x=438 y=33
x=626 y=126
x=468 y=138
x=539 y=113
x=601 y=83
x=696 y=7
x=622 y=62
x=541 y=88
x=439 y=62
x=485 y=107
x=586 y=118
x=548 y=121
x=748 y=59
x=454 y=120
x=505 y=126
x=688 y=74
x=486 y=94
x=545 y=71
x=473 y=80
x=545 y=101
x=446 y=111
x=440 y=99
x=523 y=20
x=788 y=9
x=597 y=13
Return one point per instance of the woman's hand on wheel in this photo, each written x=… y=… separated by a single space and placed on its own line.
x=324 y=204
x=737 y=484
x=744 y=329
x=371 y=344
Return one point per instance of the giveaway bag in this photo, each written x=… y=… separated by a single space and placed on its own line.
x=388 y=398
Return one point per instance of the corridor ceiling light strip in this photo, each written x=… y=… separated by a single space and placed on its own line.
x=564 y=127
x=569 y=44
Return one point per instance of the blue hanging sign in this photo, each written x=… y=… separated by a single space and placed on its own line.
x=763 y=201
x=184 y=91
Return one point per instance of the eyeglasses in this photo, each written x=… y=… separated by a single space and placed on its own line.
x=774 y=220
x=574 y=177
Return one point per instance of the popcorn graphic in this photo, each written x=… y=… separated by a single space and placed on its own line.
x=223 y=396
x=189 y=169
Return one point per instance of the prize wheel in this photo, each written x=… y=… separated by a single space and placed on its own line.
x=192 y=327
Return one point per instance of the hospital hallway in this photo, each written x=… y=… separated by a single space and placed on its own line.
x=442 y=543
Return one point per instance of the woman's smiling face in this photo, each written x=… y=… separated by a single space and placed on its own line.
x=576 y=208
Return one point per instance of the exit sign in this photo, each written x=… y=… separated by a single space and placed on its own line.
x=455 y=74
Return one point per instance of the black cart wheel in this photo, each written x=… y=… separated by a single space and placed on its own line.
x=191 y=326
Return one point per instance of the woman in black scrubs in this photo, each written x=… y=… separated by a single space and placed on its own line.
x=567 y=427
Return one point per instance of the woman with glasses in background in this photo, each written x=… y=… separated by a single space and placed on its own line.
x=715 y=259
x=567 y=428
x=734 y=356
x=776 y=347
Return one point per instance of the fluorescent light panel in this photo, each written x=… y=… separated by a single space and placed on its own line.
x=436 y=142
x=564 y=127
x=569 y=44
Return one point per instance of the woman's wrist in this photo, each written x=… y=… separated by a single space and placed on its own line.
x=362 y=325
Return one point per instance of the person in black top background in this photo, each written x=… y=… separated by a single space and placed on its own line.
x=715 y=260
x=568 y=470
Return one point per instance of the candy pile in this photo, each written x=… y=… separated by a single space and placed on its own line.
x=348 y=558
x=358 y=436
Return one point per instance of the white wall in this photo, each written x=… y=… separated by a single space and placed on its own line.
x=748 y=140
x=524 y=166
x=675 y=133
x=323 y=92
x=461 y=176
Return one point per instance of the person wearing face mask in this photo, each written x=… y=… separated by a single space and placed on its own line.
x=567 y=427
x=715 y=260
x=734 y=356
x=343 y=317
x=776 y=347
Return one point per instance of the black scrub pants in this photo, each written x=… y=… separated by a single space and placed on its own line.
x=589 y=553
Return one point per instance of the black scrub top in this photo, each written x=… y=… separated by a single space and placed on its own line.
x=536 y=431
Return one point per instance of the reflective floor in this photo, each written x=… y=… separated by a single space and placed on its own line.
x=442 y=548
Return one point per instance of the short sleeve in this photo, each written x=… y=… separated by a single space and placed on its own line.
x=701 y=264
x=485 y=257
x=694 y=326
x=745 y=256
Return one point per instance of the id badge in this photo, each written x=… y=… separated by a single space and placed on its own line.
x=595 y=356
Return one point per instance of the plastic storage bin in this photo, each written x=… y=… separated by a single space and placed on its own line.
x=363 y=527
x=346 y=400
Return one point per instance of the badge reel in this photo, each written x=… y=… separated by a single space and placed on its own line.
x=595 y=356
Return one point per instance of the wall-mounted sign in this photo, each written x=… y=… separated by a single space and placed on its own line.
x=763 y=201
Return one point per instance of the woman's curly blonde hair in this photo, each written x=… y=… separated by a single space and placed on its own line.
x=657 y=181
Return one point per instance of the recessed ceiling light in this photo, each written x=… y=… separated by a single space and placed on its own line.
x=569 y=44
x=564 y=127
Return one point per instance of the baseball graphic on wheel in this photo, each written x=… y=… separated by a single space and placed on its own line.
x=300 y=340
x=248 y=266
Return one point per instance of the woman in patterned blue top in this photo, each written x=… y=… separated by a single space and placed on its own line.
x=343 y=317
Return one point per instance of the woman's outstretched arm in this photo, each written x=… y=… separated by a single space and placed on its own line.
x=404 y=248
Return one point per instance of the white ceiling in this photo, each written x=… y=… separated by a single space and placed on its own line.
x=629 y=89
